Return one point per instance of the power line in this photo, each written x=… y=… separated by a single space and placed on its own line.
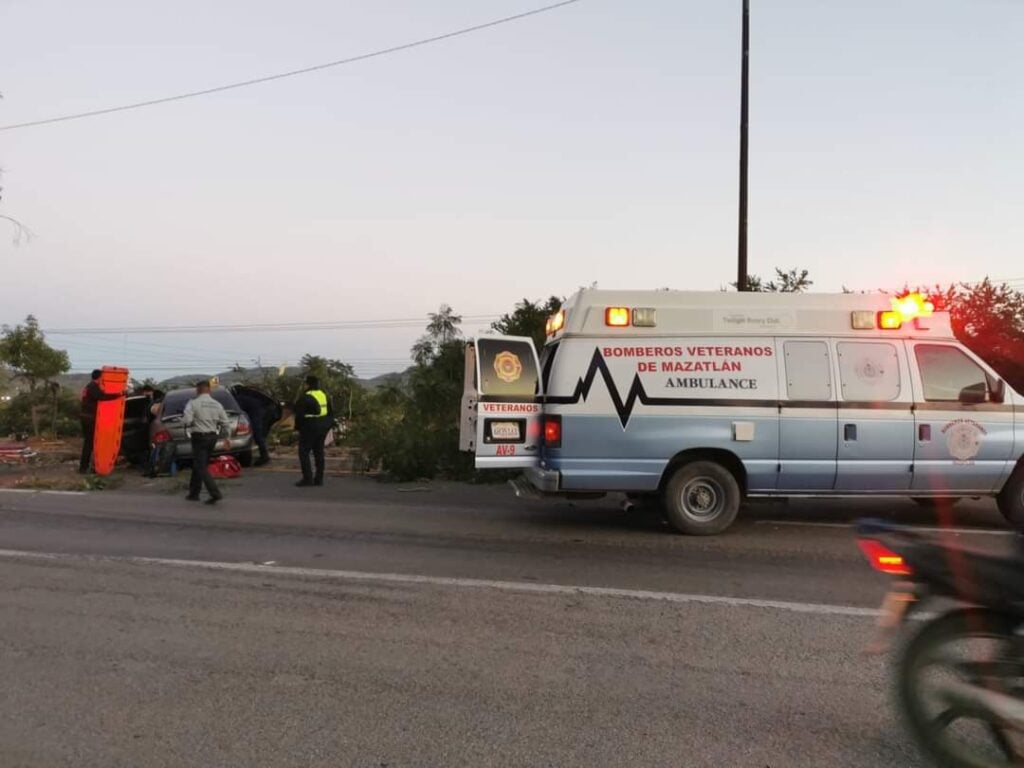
x=294 y=72
x=327 y=325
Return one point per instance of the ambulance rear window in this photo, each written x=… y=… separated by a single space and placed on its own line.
x=507 y=368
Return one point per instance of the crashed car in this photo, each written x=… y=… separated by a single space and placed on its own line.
x=168 y=426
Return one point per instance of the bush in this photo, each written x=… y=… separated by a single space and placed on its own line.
x=16 y=415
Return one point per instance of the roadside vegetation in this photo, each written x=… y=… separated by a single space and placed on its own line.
x=408 y=427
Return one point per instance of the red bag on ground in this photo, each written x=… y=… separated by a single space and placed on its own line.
x=225 y=467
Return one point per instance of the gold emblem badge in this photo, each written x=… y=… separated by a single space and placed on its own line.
x=508 y=367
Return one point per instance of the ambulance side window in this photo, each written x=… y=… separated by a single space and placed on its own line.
x=507 y=368
x=869 y=371
x=808 y=370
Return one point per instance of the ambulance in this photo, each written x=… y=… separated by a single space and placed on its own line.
x=706 y=399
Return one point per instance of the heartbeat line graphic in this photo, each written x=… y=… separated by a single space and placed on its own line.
x=637 y=394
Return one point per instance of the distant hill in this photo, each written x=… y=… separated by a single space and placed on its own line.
x=74 y=382
x=227 y=378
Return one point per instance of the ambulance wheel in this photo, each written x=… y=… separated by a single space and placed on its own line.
x=1011 y=499
x=702 y=498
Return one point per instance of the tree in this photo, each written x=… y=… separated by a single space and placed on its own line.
x=528 y=319
x=989 y=320
x=793 y=281
x=411 y=427
x=444 y=325
x=24 y=350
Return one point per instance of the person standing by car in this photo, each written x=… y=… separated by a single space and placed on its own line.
x=256 y=408
x=92 y=394
x=313 y=419
x=206 y=420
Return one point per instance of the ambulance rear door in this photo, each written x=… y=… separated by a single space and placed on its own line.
x=502 y=413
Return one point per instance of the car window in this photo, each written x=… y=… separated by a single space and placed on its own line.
x=946 y=372
x=175 y=402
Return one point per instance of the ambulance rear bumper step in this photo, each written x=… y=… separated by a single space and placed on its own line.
x=524 y=489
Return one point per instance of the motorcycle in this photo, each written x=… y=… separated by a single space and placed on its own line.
x=960 y=676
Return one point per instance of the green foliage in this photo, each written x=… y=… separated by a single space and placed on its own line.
x=528 y=319
x=989 y=320
x=24 y=350
x=410 y=429
x=25 y=412
x=793 y=281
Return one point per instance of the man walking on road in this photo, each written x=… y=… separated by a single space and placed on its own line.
x=92 y=394
x=206 y=419
x=313 y=419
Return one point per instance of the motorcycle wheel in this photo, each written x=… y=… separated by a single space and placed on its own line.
x=968 y=646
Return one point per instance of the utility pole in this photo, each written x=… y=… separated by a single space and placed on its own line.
x=742 y=283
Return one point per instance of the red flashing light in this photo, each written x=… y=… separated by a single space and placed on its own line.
x=912 y=306
x=883 y=559
x=553 y=431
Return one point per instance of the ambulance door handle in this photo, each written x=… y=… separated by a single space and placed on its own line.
x=849 y=432
x=924 y=432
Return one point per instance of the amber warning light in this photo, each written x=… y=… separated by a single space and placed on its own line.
x=555 y=323
x=617 y=317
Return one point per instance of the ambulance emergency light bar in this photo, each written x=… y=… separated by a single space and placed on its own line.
x=911 y=307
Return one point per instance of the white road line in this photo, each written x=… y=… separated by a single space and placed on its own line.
x=443 y=581
x=920 y=528
x=42 y=491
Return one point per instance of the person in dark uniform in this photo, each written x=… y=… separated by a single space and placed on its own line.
x=92 y=394
x=256 y=408
x=313 y=419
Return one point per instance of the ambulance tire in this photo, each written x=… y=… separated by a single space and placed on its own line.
x=1011 y=499
x=702 y=498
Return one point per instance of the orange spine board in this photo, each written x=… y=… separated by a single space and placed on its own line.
x=109 y=420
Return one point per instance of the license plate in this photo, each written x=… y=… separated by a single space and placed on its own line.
x=505 y=430
x=891 y=616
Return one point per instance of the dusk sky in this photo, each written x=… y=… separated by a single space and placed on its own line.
x=594 y=143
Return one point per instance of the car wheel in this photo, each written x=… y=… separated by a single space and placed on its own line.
x=1011 y=499
x=702 y=498
x=245 y=458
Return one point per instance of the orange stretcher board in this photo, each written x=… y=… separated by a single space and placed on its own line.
x=106 y=443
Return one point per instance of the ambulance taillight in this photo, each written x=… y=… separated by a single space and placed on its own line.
x=553 y=431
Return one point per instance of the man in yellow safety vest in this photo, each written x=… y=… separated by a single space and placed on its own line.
x=313 y=419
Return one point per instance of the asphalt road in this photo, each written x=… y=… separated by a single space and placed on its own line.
x=372 y=625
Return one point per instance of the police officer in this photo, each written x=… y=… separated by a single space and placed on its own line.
x=313 y=419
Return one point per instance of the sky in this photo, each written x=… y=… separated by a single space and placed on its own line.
x=594 y=143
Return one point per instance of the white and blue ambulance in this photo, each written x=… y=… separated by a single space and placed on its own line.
x=709 y=398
